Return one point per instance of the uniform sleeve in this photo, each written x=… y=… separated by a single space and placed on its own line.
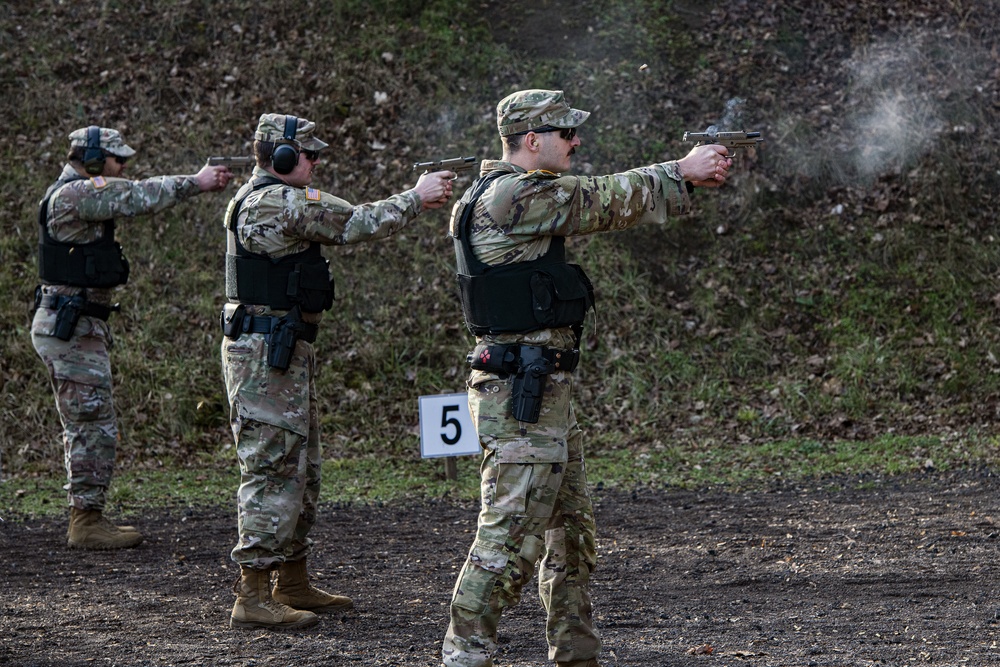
x=573 y=205
x=101 y=199
x=312 y=215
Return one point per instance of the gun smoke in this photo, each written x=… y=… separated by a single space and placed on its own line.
x=899 y=99
x=897 y=117
x=731 y=119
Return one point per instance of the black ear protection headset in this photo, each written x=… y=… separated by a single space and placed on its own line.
x=285 y=156
x=93 y=156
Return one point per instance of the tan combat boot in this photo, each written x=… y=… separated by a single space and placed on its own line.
x=293 y=588
x=255 y=608
x=88 y=529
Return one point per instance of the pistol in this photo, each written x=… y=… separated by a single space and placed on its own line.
x=731 y=140
x=455 y=164
x=241 y=162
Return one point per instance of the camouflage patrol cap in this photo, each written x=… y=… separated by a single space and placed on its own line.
x=271 y=127
x=531 y=109
x=111 y=141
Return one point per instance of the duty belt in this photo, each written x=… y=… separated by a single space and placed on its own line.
x=507 y=358
x=265 y=324
x=57 y=301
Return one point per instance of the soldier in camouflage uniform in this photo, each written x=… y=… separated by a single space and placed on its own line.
x=80 y=264
x=278 y=285
x=526 y=306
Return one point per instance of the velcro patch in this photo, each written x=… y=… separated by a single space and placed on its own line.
x=312 y=194
x=99 y=182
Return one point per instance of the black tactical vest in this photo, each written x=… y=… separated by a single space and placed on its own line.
x=301 y=279
x=100 y=263
x=544 y=293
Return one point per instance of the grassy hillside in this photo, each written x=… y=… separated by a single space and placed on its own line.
x=832 y=309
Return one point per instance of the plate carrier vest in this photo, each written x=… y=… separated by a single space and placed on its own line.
x=300 y=279
x=99 y=263
x=544 y=293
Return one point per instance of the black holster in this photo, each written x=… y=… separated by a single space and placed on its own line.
x=67 y=316
x=281 y=341
x=529 y=384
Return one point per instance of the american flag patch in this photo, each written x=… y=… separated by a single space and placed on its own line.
x=98 y=182
x=312 y=194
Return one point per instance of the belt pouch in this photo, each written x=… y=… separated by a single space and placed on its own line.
x=232 y=326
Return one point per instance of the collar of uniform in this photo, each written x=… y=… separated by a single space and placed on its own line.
x=499 y=165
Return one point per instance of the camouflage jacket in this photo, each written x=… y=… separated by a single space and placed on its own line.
x=77 y=210
x=280 y=220
x=518 y=214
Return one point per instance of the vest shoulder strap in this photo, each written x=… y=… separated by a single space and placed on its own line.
x=468 y=263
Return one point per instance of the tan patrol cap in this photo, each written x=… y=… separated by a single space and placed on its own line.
x=531 y=109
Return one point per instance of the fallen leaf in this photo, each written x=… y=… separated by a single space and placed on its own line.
x=704 y=649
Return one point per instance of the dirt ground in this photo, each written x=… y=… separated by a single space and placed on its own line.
x=846 y=572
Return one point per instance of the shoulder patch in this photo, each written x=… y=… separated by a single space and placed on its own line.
x=99 y=182
x=312 y=194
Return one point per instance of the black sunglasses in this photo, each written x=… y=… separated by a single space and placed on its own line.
x=312 y=156
x=121 y=160
x=566 y=133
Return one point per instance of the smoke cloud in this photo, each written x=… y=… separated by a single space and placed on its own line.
x=901 y=96
x=896 y=115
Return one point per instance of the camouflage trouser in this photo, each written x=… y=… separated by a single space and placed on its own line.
x=275 y=422
x=535 y=504
x=80 y=373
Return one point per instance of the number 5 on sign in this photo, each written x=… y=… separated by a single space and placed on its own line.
x=446 y=426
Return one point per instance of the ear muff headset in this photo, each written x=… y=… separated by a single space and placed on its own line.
x=93 y=156
x=285 y=156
